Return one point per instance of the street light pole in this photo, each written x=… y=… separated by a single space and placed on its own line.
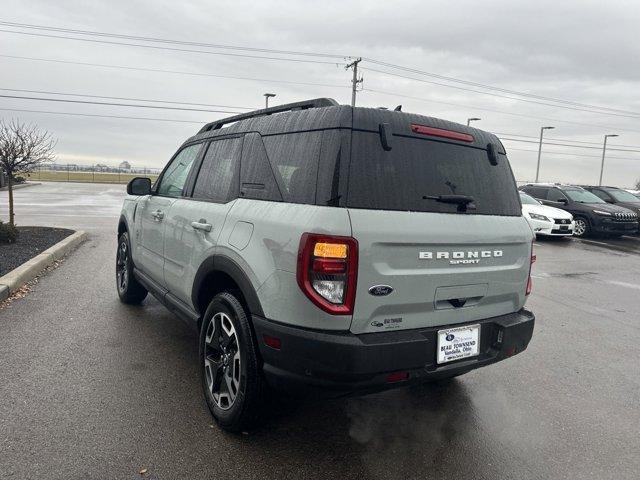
x=540 y=150
x=266 y=99
x=473 y=119
x=604 y=149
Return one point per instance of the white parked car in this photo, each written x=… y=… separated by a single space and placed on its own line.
x=546 y=220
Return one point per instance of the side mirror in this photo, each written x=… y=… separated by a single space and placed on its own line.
x=608 y=200
x=563 y=200
x=139 y=186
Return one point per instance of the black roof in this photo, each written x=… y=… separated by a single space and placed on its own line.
x=326 y=113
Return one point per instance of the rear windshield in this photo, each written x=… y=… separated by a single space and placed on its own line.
x=399 y=179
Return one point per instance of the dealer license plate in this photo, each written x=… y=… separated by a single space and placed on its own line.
x=457 y=343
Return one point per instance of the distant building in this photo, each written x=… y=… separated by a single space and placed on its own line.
x=125 y=166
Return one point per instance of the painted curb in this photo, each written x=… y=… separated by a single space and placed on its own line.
x=26 y=272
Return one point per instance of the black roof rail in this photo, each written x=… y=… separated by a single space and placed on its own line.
x=315 y=103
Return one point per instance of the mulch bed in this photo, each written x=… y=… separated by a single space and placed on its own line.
x=31 y=242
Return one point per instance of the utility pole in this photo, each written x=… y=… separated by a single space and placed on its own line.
x=604 y=149
x=540 y=150
x=355 y=81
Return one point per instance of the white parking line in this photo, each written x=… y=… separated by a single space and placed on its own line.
x=623 y=284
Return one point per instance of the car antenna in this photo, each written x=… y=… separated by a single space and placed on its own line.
x=398 y=108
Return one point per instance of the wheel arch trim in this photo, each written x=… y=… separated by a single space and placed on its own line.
x=224 y=264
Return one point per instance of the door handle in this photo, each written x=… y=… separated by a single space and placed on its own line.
x=202 y=225
x=158 y=215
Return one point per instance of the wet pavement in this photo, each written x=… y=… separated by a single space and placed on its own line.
x=95 y=389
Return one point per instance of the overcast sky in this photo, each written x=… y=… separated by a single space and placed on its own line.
x=576 y=51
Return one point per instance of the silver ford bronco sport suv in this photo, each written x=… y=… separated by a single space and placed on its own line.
x=321 y=247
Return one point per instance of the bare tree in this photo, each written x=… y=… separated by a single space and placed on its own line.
x=23 y=148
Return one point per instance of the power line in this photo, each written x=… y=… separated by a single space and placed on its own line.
x=113 y=104
x=571 y=154
x=566 y=145
x=156 y=47
x=393 y=94
x=176 y=72
x=170 y=41
x=490 y=87
x=566 y=140
x=501 y=96
x=172 y=120
x=290 y=52
x=44 y=92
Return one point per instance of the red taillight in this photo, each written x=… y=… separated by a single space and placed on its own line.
x=529 y=281
x=440 y=132
x=327 y=271
x=329 y=265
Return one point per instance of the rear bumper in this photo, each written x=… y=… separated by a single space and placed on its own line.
x=343 y=363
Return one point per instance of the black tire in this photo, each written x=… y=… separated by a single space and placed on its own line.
x=582 y=227
x=234 y=392
x=129 y=289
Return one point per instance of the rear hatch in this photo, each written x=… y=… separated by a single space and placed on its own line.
x=425 y=263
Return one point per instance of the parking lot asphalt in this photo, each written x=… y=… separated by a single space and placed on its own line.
x=91 y=388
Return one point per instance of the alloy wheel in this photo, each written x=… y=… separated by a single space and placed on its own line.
x=580 y=227
x=222 y=361
x=122 y=267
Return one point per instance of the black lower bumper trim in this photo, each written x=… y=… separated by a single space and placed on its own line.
x=344 y=362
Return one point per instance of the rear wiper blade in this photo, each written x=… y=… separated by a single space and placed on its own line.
x=463 y=201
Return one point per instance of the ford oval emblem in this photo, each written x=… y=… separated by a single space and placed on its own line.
x=380 y=290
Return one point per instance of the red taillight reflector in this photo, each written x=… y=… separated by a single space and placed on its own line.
x=272 y=342
x=397 y=377
x=329 y=265
x=440 y=132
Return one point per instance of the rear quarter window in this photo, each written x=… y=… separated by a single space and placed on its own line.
x=294 y=159
x=399 y=179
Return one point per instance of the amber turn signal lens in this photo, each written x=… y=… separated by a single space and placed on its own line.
x=330 y=250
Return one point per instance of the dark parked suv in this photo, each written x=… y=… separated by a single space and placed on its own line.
x=590 y=212
x=616 y=196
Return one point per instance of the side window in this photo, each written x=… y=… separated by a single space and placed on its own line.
x=218 y=176
x=257 y=180
x=294 y=158
x=599 y=193
x=555 y=195
x=175 y=176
